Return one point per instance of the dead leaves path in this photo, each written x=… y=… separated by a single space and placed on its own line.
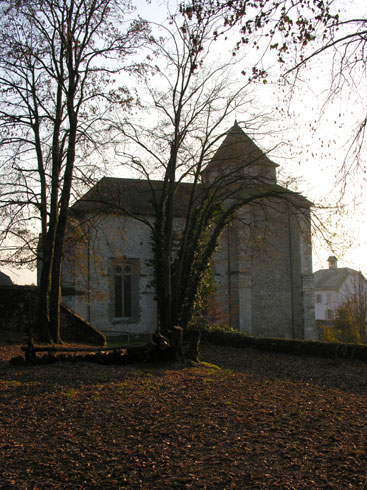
x=260 y=421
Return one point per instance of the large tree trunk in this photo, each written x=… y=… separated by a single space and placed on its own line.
x=55 y=301
x=170 y=347
x=177 y=343
x=55 y=294
x=49 y=296
x=43 y=319
x=192 y=351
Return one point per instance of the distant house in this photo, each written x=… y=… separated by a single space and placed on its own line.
x=333 y=286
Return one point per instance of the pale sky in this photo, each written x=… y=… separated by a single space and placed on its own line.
x=313 y=150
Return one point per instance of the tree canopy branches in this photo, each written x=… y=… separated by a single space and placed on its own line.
x=327 y=33
x=58 y=60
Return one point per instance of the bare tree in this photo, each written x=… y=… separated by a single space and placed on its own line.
x=355 y=303
x=349 y=314
x=58 y=60
x=298 y=31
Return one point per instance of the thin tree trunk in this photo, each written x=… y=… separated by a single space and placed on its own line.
x=55 y=301
x=43 y=298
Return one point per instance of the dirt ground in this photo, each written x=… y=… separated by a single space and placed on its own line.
x=260 y=420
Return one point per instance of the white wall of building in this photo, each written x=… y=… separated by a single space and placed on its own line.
x=327 y=301
x=90 y=272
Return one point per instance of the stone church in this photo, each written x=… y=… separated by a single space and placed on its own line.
x=262 y=268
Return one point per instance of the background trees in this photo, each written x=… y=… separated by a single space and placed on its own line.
x=350 y=324
x=58 y=59
x=356 y=305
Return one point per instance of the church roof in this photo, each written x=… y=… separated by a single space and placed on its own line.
x=332 y=278
x=134 y=196
x=239 y=148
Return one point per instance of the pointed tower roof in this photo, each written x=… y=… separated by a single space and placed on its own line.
x=238 y=150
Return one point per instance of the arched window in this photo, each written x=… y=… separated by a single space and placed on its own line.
x=125 y=289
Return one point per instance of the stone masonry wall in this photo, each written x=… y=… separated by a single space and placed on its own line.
x=311 y=330
x=18 y=318
x=271 y=273
x=263 y=274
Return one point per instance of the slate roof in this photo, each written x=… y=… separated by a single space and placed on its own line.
x=114 y=195
x=332 y=278
x=239 y=147
x=135 y=196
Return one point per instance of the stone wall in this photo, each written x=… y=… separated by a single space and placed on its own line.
x=271 y=272
x=263 y=274
x=74 y=327
x=18 y=314
x=18 y=310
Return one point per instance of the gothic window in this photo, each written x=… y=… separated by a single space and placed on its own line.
x=125 y=290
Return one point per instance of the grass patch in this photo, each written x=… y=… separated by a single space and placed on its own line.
x=10 y=383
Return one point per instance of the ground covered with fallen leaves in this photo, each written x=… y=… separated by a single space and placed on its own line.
x=260 y=420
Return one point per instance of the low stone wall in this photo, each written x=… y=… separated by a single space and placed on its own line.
x=18 y=310
x=18 y=313
x=74 y=327
x=285 y=346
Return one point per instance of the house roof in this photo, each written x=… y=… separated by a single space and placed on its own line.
x=238 y=148
x=332 y=278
